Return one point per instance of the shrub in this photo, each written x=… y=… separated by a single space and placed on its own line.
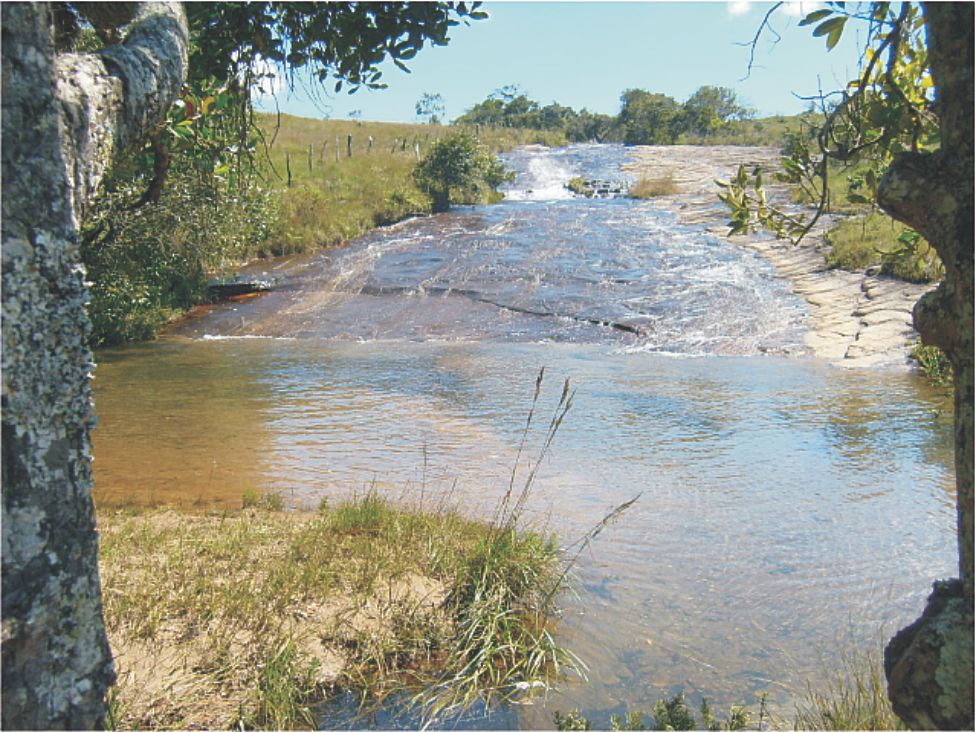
x=877 y=240
x=147 y=263
x=459 y=169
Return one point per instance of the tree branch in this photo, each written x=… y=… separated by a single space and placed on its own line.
x=755 y=39
x=113 y=98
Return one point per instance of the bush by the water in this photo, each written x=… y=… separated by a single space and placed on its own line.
x=150 y=260
x=653 y=187
x=459 y=169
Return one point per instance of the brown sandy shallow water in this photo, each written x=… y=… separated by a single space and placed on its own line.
x=788 y=507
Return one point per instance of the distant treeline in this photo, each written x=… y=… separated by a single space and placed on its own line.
x=712 y=113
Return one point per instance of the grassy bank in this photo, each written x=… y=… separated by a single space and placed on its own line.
x=348 y=176
x=149 y=263
x=253 y=617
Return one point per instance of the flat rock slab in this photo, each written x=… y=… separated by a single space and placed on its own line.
x=859 y=320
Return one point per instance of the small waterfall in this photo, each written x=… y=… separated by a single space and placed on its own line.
x=543 y=178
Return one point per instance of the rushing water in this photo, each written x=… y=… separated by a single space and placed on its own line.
x=787 y=507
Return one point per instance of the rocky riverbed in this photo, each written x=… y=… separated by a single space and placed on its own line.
x=859 y=319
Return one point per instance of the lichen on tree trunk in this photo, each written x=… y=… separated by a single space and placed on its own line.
x=64 y=118
x=929 y=664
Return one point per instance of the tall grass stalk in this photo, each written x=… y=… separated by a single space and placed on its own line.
x=503 y=597
x=855 y=697
x=503 y=600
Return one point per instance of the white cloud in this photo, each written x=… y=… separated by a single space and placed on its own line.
x=800 y=8
x=739 y=7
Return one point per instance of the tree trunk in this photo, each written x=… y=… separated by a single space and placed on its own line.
x=929 y=664
x=64 y=118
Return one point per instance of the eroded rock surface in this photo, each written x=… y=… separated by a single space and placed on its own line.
x=859 y=319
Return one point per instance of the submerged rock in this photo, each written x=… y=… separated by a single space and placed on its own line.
x=222 y=289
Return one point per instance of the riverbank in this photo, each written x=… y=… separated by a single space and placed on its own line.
x=858 y=319
x=255 y=617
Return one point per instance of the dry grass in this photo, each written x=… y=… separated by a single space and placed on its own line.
x=654 y=187
x=253 y=616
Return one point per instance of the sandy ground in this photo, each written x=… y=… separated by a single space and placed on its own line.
x=858 y=319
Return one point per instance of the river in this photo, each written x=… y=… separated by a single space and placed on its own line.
x=788 y=508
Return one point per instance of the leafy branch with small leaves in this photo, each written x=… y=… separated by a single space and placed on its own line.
x=886 y=110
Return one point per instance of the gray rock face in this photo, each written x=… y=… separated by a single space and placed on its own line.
x=59 y=135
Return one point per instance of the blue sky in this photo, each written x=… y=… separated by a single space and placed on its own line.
x=584 y=54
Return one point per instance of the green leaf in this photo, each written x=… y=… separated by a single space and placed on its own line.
x=834 y=36
x=828 y=26
x=815 y=16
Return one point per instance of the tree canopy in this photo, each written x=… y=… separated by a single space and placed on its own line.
x=645 y=118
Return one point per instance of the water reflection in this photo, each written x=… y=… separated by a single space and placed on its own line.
x=785 y=502
x=787 y=506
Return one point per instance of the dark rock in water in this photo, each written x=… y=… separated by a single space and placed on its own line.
x=589 y=187
x=222 y=289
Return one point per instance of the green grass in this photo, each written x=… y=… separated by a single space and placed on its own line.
x=332 y=199
x=257 y=614
x=876 y=240
x=854 y=698
x=868 y=237
x=933 y=363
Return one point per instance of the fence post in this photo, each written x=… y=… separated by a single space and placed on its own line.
x=288 y=168
x=416 y=150
x=349 y=146
x=337 y=148
x=369 y=145
x=310 y=157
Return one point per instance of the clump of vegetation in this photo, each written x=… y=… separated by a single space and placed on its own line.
x=933 y=363
x=252 y=617
x=150 y=262
x=460 y=169
x=269 y=500
x=855 y=698
x=876 y=240
x=668 y=714
x=578 y=186
x=653 y=187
